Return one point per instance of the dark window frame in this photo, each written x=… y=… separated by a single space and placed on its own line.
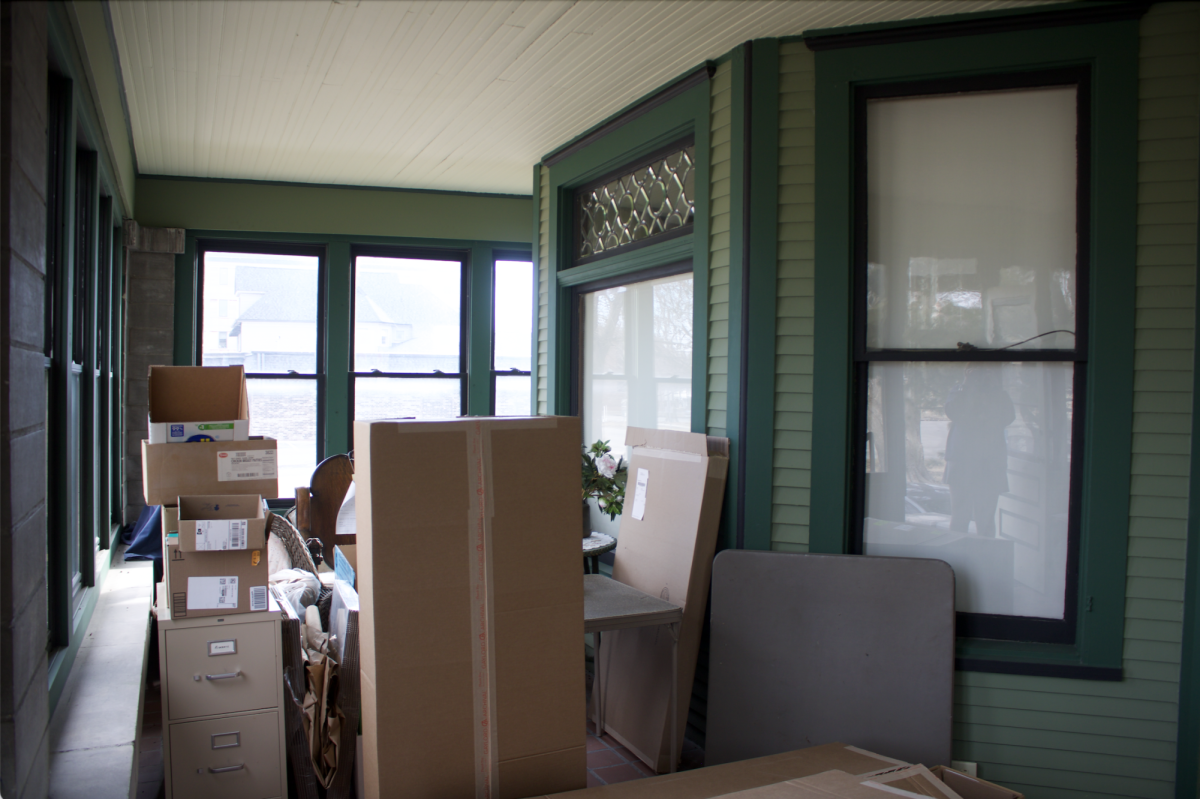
x=979 y=625
x=235 y=246
x=458 y=254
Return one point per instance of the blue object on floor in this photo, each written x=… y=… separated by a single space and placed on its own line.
x=147 y=535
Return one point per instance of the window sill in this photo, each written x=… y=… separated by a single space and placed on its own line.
x=1029 y=659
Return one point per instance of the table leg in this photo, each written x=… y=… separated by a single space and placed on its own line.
x=597 y=683
x=674 y=703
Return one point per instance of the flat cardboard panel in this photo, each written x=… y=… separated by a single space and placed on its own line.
x=248 y=565
x=198 y=393
x=969 y=787
x=713 y=781
x=172 y=470
x=222 y=506
x=668 y=553
x=413 y=516
x=807 y=649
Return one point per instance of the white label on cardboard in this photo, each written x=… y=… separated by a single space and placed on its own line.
x=258 y=597
x=212 y=593
x=258 y=464
x=639 y=498
x=220 y=534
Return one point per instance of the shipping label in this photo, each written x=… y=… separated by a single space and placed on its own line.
x=258 y=464
x=639 y=498
x=212 y=593
x=220 y=534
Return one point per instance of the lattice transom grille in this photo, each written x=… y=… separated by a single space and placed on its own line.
x=647 y=202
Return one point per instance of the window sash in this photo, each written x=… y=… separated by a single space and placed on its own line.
x=979 y=625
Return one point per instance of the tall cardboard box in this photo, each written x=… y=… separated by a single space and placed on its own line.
x=198 y=403
x=668 y=537
x=471 y=620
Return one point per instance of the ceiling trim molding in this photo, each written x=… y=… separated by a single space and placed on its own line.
x=973 y=24
x=343 y=186
x=694 y=78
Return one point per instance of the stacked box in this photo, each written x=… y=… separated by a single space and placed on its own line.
x=215 y=563
x=210 y=477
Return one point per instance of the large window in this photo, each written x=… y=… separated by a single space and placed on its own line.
x=970 y=346
x=409 y=353
x=261 y=308
x=512 y=344
x=84 y=442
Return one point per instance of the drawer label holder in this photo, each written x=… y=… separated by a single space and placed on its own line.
x=228 y=647
x=237 y=740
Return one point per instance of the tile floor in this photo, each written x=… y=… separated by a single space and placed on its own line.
x=609 y=762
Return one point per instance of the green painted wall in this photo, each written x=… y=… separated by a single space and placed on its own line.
x=720 y=183
x=792 y=457
x=334 y=210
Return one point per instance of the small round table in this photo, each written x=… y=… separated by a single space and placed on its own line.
x=594 y=546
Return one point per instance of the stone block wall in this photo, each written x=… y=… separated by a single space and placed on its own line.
x=24 y=700
x=149 y=341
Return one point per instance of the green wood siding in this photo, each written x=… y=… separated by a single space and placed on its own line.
x=1064 y=738
x=543 y=317
x=792 y=461
x=718 y=263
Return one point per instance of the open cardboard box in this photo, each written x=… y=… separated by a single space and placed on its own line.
x=817 y=772
x=220 y=522
x=217 y=467
x=471 y=592
x=198 y=403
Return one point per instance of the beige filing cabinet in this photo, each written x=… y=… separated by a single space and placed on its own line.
x=222 y=704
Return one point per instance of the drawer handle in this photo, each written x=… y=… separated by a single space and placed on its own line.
x=228 y=676
x=226 y=769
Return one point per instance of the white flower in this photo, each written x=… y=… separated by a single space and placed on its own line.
x=606 y=464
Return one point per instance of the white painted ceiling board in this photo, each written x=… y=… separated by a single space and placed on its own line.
x=460 y=95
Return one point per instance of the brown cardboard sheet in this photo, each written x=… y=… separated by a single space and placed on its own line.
x=190 y=574
x=173 y=470
x=969 y=787
x=463 y=540
x=713 y=781
x=667 y=553
x=248 y=507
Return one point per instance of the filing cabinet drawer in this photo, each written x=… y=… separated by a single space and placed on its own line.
x=222 y=669
x=237 y=757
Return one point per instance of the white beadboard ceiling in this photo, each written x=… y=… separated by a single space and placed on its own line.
x=451 y=95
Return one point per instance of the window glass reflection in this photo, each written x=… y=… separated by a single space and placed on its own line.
x=971 y=202
x=407 y=315
x=970 y=463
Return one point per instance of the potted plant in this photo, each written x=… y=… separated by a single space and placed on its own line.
x=603 y=478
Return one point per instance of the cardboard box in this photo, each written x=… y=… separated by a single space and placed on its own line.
x=471 y=621
x=915 y=781
x=214 y=583
x=198 y=403
x=713 y=781
x=220 y=522
x=218 y=467
x=170 y=521
x=667 y=553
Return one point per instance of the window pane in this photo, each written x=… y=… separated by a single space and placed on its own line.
x=401 y=397
x=514 y=318
x=267 y=312
x=971 y=202
x=407 y=315
x=512 y=395
x=970 y=464
x=637 y=358
x=287 y=410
